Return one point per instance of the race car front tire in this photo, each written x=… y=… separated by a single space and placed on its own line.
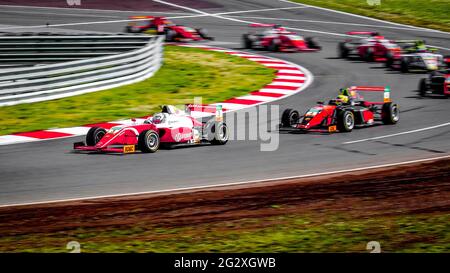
x=404 y=66
x=342 y=50
x=423 y=87
x=94 y=135
x=389 y=61
x=345 y=121
x=221 y=134
x=390 y=113
x=246 y=42
x=289 y=118
x=148 y=141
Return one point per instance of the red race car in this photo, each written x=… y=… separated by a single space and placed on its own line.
x=161 y=26
x=276 y=38
x=170 y=127
x=438 y=83
x=343 y=116
x=372 y=47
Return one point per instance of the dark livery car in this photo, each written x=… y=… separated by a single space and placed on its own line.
x=438 y=83
x=343 y=116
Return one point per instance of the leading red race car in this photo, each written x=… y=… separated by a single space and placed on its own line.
x=276 y=38
x=372 y=47
x=337 y=116
x=161 y=26
x=170 y=127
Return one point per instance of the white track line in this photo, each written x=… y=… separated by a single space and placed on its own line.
x=60 y=14
x=327 y=22
x=229 y=184
x=399 y=134
x=184 y=16
x=96 y=10
x=364 y=17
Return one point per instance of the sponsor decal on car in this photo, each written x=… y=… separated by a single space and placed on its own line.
x=127 y=149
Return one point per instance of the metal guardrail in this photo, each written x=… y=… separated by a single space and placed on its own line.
x=68 y=65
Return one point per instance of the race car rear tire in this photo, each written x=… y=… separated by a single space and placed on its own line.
x=289 y=118
x=345 y=121
x=390 y=113
x=423 y=87
x=221 y=134
x=204 y=34
x=148 y=141
x=94 y=135
x=170 y=35
x=342 y=50
x=312 y=43
x=246 y=42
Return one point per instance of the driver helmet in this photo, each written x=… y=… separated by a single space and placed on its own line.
x=343 y=98
x=158 y=118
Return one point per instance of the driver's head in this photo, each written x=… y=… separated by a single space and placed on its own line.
x=158 y=118
x=343 y=98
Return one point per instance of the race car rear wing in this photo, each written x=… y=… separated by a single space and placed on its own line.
x=367 y=33
x=261 y=25
x=385 y=89
x=216 y=109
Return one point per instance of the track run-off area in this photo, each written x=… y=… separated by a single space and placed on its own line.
x=48 y=171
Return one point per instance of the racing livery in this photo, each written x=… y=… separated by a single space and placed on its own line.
x=415 y=55
x=276 y=38
x=161 y=26
x=170 y=127
x=337 y=116
x=372 y=47
x=438 y=83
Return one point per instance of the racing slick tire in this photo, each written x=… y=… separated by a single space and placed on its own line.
x=289 y=118
x=342 y=50
x=94 y=135
x=246 y=42
x=423 y=87
x=368 y=55
x=148 y=141
x=345 y=121
x=170 y=35
x=404 y=66
x=274 y=45
x=389 y=61
x=390 y=113
x=221 y=134
x=204 y=34
x=130 y=29
x=312 y=43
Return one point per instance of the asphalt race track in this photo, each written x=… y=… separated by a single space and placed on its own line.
x=47 y=170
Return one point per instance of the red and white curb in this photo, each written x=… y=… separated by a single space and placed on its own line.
x=290 y=79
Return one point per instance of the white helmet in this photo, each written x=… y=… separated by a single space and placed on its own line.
x=158 y=118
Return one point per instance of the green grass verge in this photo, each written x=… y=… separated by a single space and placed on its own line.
x=423 y=13
x=187 y=73
x=290 y=233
